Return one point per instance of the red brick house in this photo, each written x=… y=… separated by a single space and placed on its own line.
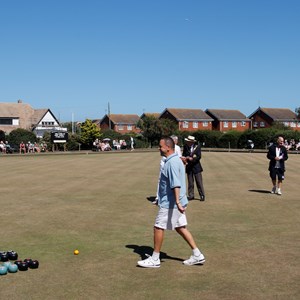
x=120 y=123
x=155 y=115
x=188 y=119
x=266 y=117
x=225 y=119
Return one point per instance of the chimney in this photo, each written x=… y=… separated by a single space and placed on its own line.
x=20 y=101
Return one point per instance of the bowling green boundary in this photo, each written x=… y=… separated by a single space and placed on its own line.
x=53 y=204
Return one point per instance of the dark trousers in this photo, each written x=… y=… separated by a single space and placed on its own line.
x=199 y=183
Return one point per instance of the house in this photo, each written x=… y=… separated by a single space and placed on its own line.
x=266 y=117
x=188 y=119
x=120 y=123
x=225 y=119
x=155 y=115
x=22 y=115
x=97 y=122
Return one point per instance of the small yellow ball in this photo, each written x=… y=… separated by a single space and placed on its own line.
x=76 y=252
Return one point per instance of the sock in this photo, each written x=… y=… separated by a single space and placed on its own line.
x=196 y=252
x=155 y=255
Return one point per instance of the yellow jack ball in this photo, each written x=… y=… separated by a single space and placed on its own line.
x=76 y=252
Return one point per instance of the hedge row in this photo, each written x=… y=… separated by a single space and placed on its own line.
x=238 y=140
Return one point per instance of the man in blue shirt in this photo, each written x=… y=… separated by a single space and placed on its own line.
x=172 y=202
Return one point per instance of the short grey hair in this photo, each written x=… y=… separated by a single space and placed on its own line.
x=174 y=137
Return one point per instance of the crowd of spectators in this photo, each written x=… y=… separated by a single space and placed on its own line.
x=29 y=147
x=292 y=145
x=105 y=145
x=32 y=147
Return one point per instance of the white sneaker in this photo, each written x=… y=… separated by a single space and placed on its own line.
x=273 y=190
x=149 y=262
x=279 y=192
x=195 y=260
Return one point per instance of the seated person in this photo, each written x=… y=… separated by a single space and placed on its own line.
x=22 y=148
x=106 y=147
x=2 y=147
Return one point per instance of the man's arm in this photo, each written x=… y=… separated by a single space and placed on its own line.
x=176 y=194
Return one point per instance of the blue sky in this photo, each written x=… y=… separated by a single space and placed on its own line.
x=75 y=57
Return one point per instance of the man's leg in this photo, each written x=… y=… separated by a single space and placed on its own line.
x=190 y=177
x=199 y=183
x=184 y=232
x=158 y=239
x=197 y=257
x=279 y=184
x=154 y=261
x=273 y=178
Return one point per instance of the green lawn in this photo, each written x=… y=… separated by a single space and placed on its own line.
x=97 y=203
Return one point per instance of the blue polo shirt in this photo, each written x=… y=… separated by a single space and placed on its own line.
x=173 y=175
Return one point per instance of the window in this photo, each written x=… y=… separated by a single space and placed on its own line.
x=234 y=124
x=298 y=124
x=195 y=124
x=120 y=127
x=255 y=124
x=205 y=124
x=287 y=124
x=293 y=124
x=47 y=123
x=129 y=127
x=185 y=124
x=6 y=121
x=225 y=124
x=243 y=123
x=261 y=124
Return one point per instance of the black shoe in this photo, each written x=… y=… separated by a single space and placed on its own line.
x=190 y=198
x=202 y=198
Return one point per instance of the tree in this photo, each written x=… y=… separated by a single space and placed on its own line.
x=2 y=135
x=297 y=111
x=167 y=127
x=89 y=132
x=150 y=129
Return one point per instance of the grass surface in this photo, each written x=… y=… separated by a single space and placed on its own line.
x=97 y=203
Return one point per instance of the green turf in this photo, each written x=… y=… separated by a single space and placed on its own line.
x=97 y=203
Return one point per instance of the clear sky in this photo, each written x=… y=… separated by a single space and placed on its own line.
x=76 y=56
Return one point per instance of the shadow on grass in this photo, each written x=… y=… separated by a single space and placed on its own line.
x=260 y=191
x=151 y=198
x=143 y=250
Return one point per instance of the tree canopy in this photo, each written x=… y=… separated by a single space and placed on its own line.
x=89 y=132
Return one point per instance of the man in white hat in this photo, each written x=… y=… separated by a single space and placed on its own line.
x=191 y=157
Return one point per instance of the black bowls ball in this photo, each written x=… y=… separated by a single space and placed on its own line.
x=23 y=266
x=18 y=262
x=28 y=261
x=12 y=255
x=4 y=256
x=34 y=264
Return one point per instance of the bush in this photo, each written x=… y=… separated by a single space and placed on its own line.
x=229 y=139
x=21 y=135
x=73 y=142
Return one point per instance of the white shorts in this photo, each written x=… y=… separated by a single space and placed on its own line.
x=170 y=219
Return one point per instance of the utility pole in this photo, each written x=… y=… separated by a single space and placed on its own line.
x=108 y=110
x=72 y=123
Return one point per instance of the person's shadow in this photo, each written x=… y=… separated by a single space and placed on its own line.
x=151 y=198
x=143 y=250
x=260 y=191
